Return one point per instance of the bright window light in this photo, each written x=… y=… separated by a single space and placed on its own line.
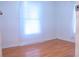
x=31 y=19
x=74 y=20
x=32 y=27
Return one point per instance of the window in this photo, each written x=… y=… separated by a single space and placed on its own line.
x=74 y=20
x=31 y=18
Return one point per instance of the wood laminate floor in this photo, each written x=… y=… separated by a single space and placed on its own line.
x=51 y=48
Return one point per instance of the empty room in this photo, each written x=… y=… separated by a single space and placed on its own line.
x=38 y=28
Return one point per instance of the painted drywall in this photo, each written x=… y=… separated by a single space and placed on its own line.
x=0 y=36
x=47 y=25
x=53 y=17
x=77 y=33
x=1 y=22
x=0 y=46
x=64 y=20
x=9 y=23
x=11 y=28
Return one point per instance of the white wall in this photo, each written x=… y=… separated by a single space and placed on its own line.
x=0 y=38
x=77 y=33
x=64 y=20
x=1 y=21
x=1 y=16
x=47 y=25
x=0 y=45
x=9 y=23
x=52 y=19
x=11 y=28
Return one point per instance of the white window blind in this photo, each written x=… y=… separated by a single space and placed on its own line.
x=31 y=18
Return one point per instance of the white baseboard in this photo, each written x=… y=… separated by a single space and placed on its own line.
x=66 y=39
x=39 y=41
x=25 y=43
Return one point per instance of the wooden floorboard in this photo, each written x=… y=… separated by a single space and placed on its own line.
x=51 y=48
